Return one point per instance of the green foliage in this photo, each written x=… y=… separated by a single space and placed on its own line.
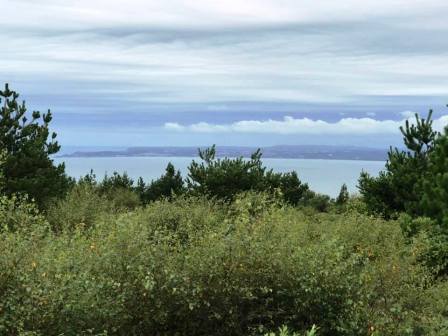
x=196 y=267
x=316 y=201
x=289 y=185
x=110 y=184
x=284 y=331
x=27 y=166
x=399 y=187
x=80 y=209
x=343 y=196
x=434 y=198
x=169 y=184
x=17 y=213
x=416 y=182
x=2 y=175
x=118 y=189
x=225 y=178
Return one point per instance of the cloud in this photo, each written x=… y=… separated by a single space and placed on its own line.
x=214 y=51
x=407 y=114
x=290 y=125
x=162 y=58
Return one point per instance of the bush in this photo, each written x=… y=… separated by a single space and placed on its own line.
x=81 y=208
x=17 y=213
x=316 y=201
x=197 y=267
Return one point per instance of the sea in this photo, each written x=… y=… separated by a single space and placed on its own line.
x=323 y=176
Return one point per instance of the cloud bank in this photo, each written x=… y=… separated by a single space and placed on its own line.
x=152 y=62
x=290 y=125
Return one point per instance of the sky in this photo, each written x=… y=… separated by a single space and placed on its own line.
x=233 y=72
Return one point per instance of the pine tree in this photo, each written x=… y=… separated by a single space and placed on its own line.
x=343 y=195
x=399 y=187
x=2 y=176
x=434 y=202
x=28 y=168
x=227 y=177
x=169 y=184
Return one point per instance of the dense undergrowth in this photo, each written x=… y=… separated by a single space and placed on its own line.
x=194 y=266
x=233 y=249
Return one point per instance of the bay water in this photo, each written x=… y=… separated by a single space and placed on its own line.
x=323 y=176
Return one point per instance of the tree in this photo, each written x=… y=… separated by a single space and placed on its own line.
x=434 y=200
x=399 y=187
x=343 y=195
x=169 y=184
x=227 y=177
x=116 y=182
x=28 y=168
x=2 y=176
x=289 y=184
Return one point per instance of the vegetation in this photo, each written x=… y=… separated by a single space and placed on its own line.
x=399 y=187
x=235 y=249
x=193 y=266
x=226 y=178
x=168 y=185
x=27 y=167
x=415 y=183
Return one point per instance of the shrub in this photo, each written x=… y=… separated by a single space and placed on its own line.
x=197 y=267
x=81 y=208
x=316 y=201
x=17 y=213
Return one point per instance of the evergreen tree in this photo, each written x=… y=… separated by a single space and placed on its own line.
x=27 y=167
x=399 y=187
x=225 y=178
x=289 y=184
x=343 y=195
x=434 y=202
x=169 y=184
x=2 y=176
x=140 y=189
x=116 y=182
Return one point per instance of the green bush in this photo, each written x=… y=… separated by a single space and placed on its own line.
x=316 y=201
x=197 y=267
x=18 y=214
x=81 y=208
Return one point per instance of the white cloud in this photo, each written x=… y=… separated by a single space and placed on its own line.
x=407 y=114
x=214 y=52
x=290 y=125
x=100 y=13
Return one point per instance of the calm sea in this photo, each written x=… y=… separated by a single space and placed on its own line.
x=324 y=176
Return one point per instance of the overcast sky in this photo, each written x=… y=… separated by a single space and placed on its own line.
x=234 y=72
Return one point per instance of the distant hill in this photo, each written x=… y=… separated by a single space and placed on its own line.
x=284 y=152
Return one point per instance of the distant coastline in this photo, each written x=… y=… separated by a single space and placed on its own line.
x=281 y=152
